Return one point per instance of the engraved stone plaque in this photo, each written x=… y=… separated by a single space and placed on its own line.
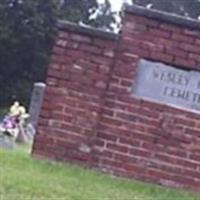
x=168 y=85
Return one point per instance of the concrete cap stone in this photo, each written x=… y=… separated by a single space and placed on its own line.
x=164 y=16
x=86 y=30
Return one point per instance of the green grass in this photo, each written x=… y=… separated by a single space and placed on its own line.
x=23 y=178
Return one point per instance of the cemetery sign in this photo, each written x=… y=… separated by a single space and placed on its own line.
x=166 y=84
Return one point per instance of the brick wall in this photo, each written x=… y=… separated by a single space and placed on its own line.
x=78 y=75
x=91 y=117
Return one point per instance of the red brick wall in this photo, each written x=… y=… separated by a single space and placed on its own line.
x=78 y=75
x=90 y=115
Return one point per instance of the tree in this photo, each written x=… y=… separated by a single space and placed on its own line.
x=27 y=28
x=188 y=8
x=89 y=12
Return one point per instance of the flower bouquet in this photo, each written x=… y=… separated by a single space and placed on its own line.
x=15 y=124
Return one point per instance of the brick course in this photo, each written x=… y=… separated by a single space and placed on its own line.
x=90 y=116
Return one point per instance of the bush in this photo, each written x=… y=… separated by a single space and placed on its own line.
x=27 y=29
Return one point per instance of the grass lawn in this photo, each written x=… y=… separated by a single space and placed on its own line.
x=23 y=178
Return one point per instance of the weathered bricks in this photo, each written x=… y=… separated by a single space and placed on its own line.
x=90 y=116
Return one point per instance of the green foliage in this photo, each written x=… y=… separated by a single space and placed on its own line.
x=89 y=12
x=190 y=8
x=104 y=17
x=3 y=111
x=78 y=10
x=27 y=28
x=25 y=178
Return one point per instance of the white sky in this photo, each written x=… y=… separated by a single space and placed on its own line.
x=116 y=4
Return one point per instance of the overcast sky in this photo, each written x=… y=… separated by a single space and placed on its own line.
x=116 y=4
